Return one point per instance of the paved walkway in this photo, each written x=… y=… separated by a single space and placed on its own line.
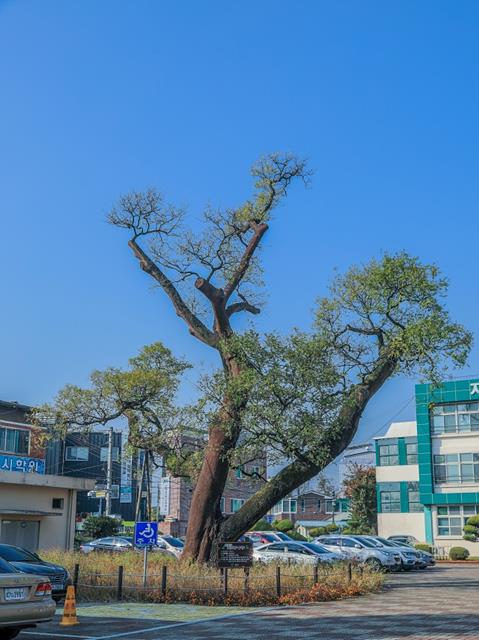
x=436 y=604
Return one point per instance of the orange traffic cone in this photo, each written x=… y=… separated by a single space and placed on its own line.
x=69 y=617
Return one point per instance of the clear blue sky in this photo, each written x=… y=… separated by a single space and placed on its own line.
x=99 y=97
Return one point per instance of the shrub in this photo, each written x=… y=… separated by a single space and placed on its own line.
x=322 y=531
x=100 y=526
x=421 y=546
x=458 y=553
x=283 y=525
x=262 y=525
x=296 y=535
x=471 y=529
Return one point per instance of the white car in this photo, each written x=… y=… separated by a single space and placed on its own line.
x=362 y=550
x=297 y=552
x=171 y=544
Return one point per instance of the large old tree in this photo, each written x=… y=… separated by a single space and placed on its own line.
x=300 y=398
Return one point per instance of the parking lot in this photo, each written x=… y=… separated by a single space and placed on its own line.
x=437 y=604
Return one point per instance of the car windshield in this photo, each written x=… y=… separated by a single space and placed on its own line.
x=5 y=567
x=366 y=543
x=375 y=542
x=317 y=548
x=283 y=536
x=388 y=543
x=174 y=542
x=15 y=554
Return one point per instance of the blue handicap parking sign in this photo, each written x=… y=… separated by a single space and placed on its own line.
x=146 y=533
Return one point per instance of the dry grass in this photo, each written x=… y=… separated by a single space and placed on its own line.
x=199 y=584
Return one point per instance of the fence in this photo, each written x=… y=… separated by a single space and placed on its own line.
x=170 y=585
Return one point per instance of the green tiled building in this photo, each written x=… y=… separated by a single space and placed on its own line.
x=428 y=470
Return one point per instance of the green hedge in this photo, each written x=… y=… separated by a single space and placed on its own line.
x=421 y=546
x=458 y=553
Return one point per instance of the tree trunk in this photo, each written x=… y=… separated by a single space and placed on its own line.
x=205 y=514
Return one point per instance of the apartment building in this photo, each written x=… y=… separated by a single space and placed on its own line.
x=428 y=471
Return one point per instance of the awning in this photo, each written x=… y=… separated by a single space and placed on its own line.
x=27 y=512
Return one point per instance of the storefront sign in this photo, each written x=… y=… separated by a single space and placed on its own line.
x=474 y=388
x=126 y=495
x=164 y=491
x=126 y=472
x=23 y=465
x=235 y=554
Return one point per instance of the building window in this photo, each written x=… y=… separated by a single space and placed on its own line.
x=456 y=467
x=302 y=504
x=390 y=495
x=239 y=473
x=388 y=455
x=14 y=441
x=57 y=503
x=289 y=505
x=76 y=454
x=455 y=418
x=236 y=504
x=222 y=505
x=329 y=506
x=115 y=454
x=414 y=504
x=449 y=521
x=411 y=452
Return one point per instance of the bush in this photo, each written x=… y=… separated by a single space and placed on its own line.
x=262 y=525
x=469 y=528
x=100 y=526
x=473 y=521
x=458 y=553
x=296 y=535
x=283 y=525
x=421 y=546
x=470 y=537
x=322 y=531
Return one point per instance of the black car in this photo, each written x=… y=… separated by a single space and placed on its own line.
x=28 y=562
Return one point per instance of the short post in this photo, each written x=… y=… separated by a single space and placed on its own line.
x=76 y=573
x=350 y=572
x=246 y=580
x=278 y=581
x=163 y=580
x=119 y=590
x=145 y=565
x=315 y=574
x=225 y=581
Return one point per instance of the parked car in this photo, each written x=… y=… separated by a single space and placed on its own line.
x=410 y=558
x=28 y=562
x=171 y=544
x=405 y=539
x=426 y=557
x=297 y=552
x=363 y=551
x=264 y=537
x=25 y=602
x=112 y=544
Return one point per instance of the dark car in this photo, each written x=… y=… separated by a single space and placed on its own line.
x=112 y=544
x=28 y=562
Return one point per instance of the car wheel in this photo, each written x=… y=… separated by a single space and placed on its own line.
x=375 y=564
x=425 y=567
x=9 y=634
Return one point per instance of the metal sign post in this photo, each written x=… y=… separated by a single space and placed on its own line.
x=145 y=565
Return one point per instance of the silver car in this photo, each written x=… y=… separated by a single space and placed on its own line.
x=25 y=601
x=410 y=558
x=363 y=550
x=295 y=552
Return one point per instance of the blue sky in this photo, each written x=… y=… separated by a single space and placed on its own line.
x=100 y=97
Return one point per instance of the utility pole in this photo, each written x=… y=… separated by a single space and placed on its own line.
x=109 y=472
x=139 y=485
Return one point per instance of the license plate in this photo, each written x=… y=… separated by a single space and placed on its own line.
x=57 y=587
x=14 y=594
